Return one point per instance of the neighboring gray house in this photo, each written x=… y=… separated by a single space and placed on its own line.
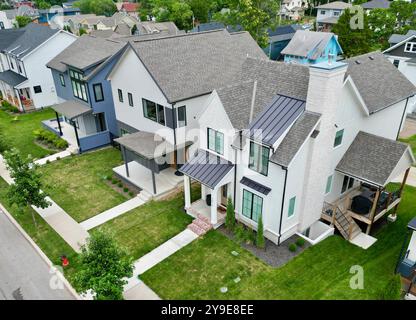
x=329 y=13
x=376 y=4
x=84 y=93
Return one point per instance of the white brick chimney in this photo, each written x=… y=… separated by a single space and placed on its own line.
x=324 y=92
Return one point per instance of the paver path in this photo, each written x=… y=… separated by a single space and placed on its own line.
x=112 y=213
x=56 y=217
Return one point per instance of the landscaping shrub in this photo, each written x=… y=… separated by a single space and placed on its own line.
x=230 y=217
x=50 y=138
x=108 y=178
x=125 y=189
x=7 y=106
x=300 y=242
x=239 y=231
x=114 y=181
x=293 y=247
x=260 y=242
x=120 y=185
x=131 y=193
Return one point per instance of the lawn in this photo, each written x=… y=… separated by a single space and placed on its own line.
x=18 y=130
x=45 y=237
x=411 y=141
x=76 y=183
x=199 y=270
x=148 y=226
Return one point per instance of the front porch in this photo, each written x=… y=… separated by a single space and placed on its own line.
x=14 y=91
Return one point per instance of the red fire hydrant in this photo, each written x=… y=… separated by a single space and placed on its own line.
x=65 y=261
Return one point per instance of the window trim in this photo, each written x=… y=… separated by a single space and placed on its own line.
x=216 y=134
x=350 y=181
x=62 y=80
x=291 y=215
x=412 y=48
x=95 y=94
x=130 y=99
x=329 y=181
x=120 y=95
x=177 y=116
x=34 y=90
x=79 y=87
x=342 y=138
x=251 y=165
x=158 y=120
x=252 y=194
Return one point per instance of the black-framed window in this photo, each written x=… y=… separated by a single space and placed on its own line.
x=98 y=92
x=37 y=89
x=154 y=111
x=259 y=158
x=120 y=95
x=181 y=116
x=396 y=63
x=252 y=205
x=130 y=98
x=347 y=184
x=79 y=87
x=62 y=79
x=215 y=141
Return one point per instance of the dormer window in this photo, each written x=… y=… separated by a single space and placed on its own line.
x=410 y=47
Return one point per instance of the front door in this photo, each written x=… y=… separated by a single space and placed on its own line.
x=224 y=195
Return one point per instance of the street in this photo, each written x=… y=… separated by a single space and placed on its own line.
x=24 y=275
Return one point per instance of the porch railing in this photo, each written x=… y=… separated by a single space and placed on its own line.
x=95 y=140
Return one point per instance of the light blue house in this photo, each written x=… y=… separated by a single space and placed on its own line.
x=309 y=47
x=85 y=115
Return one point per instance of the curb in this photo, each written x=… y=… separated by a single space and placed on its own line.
x=40 y=252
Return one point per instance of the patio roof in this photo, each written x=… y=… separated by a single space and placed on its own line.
x=374 y=159
x=207 y=168
x=146 y=144
x=12 y=78
x=71 y=109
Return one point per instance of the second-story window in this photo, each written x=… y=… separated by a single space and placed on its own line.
x=98 y=92
x=338 y=138
x=410 y=47
x=62 y=79
x=130 y=98
x=259 y=158
x=182 y=116
x=153 y=111
x=19 y=67
x=78 y=85
x=120 y=95
x=215 y=141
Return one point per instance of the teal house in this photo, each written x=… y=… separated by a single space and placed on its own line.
x=309 y=47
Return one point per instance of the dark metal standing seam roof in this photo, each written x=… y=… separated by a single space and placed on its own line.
x=270 y=124
x=12 y=78
x=255 y=186
x=207 y=168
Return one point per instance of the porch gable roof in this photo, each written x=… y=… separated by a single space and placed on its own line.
x=12 y=78
x=207 y=168
x=71 y=109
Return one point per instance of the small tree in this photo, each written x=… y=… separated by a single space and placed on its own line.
x=230 y=216
x=260 y=242
x=104 y=267
x=26 y=189
x=23 y=21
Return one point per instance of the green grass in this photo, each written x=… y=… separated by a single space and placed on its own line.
x=19 y=133
x=77 y=183
x=148 y=226
x=45 y=237
x=199 y=270
x=411 y=141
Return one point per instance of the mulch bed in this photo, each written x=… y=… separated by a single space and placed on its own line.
x=135 y=191
x=47 y=146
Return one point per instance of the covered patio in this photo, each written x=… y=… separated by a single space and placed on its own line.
x=374 y=162
x=148 y=163
x=216 y=176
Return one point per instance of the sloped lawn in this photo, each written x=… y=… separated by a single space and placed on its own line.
x=199 y=270
x=148 y=226
x=18 y=130
x=76 y=183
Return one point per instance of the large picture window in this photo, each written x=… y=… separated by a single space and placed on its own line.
x=78 y=85
x=215 y=141
x=259 y=158
x=252 y=205
x=154 y=111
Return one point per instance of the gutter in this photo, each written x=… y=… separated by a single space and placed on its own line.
x=403 y=116
x=283 y=204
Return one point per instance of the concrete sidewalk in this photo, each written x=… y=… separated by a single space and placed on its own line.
x=112 y=213
x=63 y=154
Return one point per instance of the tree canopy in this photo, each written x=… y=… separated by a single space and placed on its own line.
x=99 y=7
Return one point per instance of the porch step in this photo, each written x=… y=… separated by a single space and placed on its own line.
x=203 y=224
x=203 y=218
x=200 y=225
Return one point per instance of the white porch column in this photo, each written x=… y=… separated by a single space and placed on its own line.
x=214 y=205
x=187 y=191
x=203 y=192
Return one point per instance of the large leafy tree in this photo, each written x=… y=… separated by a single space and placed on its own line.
x=26 y=189
x=177 y=11
x=354 y=41
x=104 y=267
x=23 y=21
x=99 y=7
x=382 y=23
x=404 y=12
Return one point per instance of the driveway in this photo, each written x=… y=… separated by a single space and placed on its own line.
x=24 y=275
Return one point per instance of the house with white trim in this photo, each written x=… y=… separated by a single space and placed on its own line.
x=25 y=81
x=328 y=14
x=402 y=53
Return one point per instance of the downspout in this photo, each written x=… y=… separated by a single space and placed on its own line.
x=235 y=168
x=283 y=204
x=401 y=121
x=174 y=137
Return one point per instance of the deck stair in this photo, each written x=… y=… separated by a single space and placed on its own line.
x=345 y=224
x=200 y=225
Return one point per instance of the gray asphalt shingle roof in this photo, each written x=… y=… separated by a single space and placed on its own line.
x=308 y=44
x=12 y=78
x=379 y=82
x=335 y=5
x=294 y=139
x=207 y=168
x=32 y=36
x=396 y=38
x=376 y=4
x=86 y=51
x=372 y=158
x=275 y=119
x=194 y=64
x=7 y=36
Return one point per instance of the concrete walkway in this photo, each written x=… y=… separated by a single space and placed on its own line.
x=112 y=213
x=66 y=153
x=56 y=217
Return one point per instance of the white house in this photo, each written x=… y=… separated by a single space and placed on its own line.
x=298 y=145
x=402 y=53
x=293 y=9
x=25 y=81
x=5 y=22
x=329 y=13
